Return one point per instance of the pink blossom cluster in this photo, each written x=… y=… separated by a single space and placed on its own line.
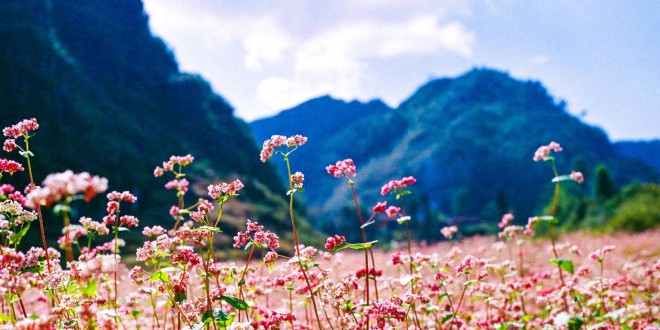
x=577 y=177
x=449 y=231
x=297 y=180
x=10 y=166
x=276 y=141
x=397 y=184
x=392 y=211
x=543 y=152
x=255 y=233
x=178 y=185
x=225 y=189
x=379 y=207
x=506 y=220
x=22 y=128
x=168 y=166
x=58 y=186
x=334 y=242
x=599 y=254
x=344 y=167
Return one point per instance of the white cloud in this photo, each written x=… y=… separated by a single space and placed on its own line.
x=336 y=62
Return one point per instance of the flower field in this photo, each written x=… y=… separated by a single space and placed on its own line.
x=510 y=281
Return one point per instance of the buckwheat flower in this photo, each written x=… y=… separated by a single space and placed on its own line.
x=506 y=219
x=21 y=129
x=297 y=180
x=270 y=258
x=296 y=141
x=392 y=211
x=178 y=185
x=9 y=145
x=122 y=196
x=225 y=189
x=129 y=221
x=241 y=239
x=466 y=265
x=448 y=232
x=577 y=177
x=185 y=255
x=344 y=167
x=334 y=242
x=158 y=171
x=379 y=207
x=94 y=226
x=397 y=184
x=182 y=160
x=10 y=166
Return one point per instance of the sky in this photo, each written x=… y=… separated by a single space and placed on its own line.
x=601 y=57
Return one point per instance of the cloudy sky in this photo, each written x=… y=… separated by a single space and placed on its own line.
x=602 y=57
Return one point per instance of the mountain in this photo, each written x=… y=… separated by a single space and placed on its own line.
x=646 y=151
x=111 y=100
x=468 y=140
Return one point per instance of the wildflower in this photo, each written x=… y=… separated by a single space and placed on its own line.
x=297 y=180
x=466 y=265
x=58 y=186
x=9 y=145
x=543 y=152
x=178 y=185
x=577 y=177
x=506 y=219
x=10 y=166
x=397 y=184
x=122 y=196
x=276 y=141
x=334 y=242
x=21 y=129
x=600 y=253
x=344 y=167
x=379 y=207
x=270 y=258
x=392 y=211
x=225 y=189
x=158 y=171
x=448 y=232
x=129 y=221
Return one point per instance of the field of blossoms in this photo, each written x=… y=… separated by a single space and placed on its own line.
x=510 y=281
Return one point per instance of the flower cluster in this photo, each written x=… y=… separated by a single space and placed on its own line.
x=448 y=232
x=397 y=184
x=297 y=180
x=58 y=186
x=344 y=167
x=506 y=220
x=255 y=233
x=276 y=141
x=543 y=152
x=23 y=128
x=10 y=166
x=218 y=191
x=577 y=177
x=168 y=166
x=334 y=242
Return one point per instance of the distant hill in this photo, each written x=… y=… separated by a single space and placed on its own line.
x=468 y=140
x=111 y=100
x=646 y=151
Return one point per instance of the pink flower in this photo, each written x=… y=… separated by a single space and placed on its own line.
x=448 y=232
x=122 y=196
x=334 y=242
x=21 y=129
x=297 y=180
x=344 y=167
x=9 y=145
x=10 y=166
x=158 y=171
x=544 y=151
x=61 y=185
x=506 y=219
x=225 y=189
x=379 y=207
x=276 y=141
x=178 y=185
x=392 y=211
x=397 y=184
x=577 y=177
x=129 y=221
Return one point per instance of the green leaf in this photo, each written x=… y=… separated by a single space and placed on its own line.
x=561 y=178
x=19 y=235
x=209 y=228
x=89 y=289
x=401 y=220
x=565 y=264
x=180 y=296
x=575 y=323
x=503 y=326
x=136 y=314
x=356 y=246
x=468 y=283
x=4 y=317
x=160 y=276
x=26 y=154
x=239 y=304
x=33 y=316
x=11 y=297
x=446 y=318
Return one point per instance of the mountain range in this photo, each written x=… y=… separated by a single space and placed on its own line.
x=468 y=140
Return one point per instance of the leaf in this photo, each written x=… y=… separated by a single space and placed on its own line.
x=575 y=323
x=565 y=264
x=209 y=228
x=89 y=289
x=180 y=296
x=368 y=223
x=26 y=154
x=160 y=276
x=561 y=178
x=11 y=297
x=468 y=283
x=239 y=304
x=5 y=317
x=16 y=238
x=356 y=246
x=401 y=220
x=446 y=318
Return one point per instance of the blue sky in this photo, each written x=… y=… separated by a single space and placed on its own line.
x=602 y=57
